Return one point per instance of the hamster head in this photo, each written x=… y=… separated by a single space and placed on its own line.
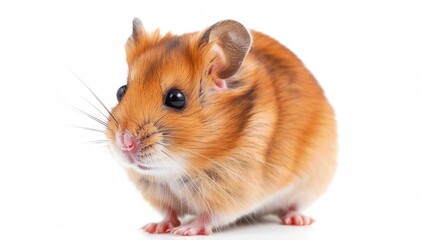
x=176 y=111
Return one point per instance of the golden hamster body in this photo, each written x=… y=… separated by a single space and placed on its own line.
x=221 y=124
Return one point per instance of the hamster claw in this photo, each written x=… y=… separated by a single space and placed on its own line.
x=295 y=218
x=191 y=230
x=161 y=227
x=169 y=222
x=156 y=228
x=200 y=226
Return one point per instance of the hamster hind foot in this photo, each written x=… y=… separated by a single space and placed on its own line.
x=295 y=218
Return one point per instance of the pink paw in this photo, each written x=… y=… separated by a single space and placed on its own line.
x=161 y=227
x=295 y=218
x=170 y=221
x=191 y=230
x=200 y=226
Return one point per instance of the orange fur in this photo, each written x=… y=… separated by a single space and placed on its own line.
x=272 y=129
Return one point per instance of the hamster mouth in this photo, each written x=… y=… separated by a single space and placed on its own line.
x=138 y=161
x=134 y=159
x=153 y=160
x=143 y=167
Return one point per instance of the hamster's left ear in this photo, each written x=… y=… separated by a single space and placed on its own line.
x=231 y=42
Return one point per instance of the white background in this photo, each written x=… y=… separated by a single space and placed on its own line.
x=369 y=57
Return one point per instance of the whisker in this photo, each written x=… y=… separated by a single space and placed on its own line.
x=88 y=115
x=97 y=142
x=163 y=132
x=96 y=97
x=89 y=129
x=156 y=122
x=96 y=108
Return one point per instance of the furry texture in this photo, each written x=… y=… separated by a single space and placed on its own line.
x=265 y=144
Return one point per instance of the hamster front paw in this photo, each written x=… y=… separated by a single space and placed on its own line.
x=200 y=226
x=169 y=222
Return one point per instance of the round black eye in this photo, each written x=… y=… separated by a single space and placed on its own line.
x=121 y=92
x=175 y=99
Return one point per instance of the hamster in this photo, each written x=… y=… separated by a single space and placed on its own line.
x=222 y=124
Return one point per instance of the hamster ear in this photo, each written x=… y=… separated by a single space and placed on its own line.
x=231 y=42
x=134 y=44
x=140 y=40
x=138 y=29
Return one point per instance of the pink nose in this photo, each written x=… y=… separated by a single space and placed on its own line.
x=128 y=142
